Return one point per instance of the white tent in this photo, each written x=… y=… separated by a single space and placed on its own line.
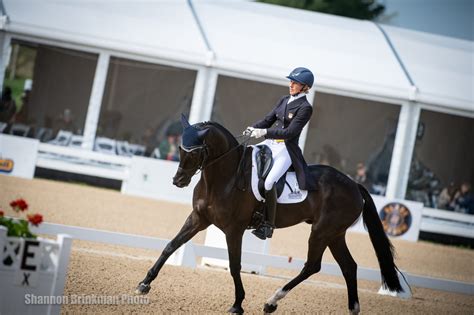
x=263 y=40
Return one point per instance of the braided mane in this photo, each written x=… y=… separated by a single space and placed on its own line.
x=203 y=125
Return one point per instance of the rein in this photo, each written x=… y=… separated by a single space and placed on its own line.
x=202 y=166
x=242 y=144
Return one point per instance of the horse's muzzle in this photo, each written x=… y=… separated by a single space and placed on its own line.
x=181 y=180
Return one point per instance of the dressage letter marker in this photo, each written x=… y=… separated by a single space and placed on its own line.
x=27 y=275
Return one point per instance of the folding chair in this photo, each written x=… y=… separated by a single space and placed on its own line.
x=105 y=145
x=19 y=130
x=44 y=134
x=123 y=148
x=62 y=138
x=76 y=141
x=156 y=154
x=137 y=149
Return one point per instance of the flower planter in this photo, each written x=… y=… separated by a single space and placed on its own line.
x=31 y=272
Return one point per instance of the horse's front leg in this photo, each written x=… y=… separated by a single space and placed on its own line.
x=194 y=223
x=234 y=248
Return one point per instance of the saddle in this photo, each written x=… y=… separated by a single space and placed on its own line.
x=264 y=162
x=287 y=186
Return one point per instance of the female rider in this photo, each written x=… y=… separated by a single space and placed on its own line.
x=282 y=128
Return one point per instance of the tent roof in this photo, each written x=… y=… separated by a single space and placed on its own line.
x=269 y=39
x=441 y=67
x=157 y=28
x=262 y=40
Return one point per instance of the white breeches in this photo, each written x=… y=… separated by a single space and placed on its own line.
x=281 y=162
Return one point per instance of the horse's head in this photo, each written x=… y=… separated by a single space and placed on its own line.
x=202 y=145
x=192 y=153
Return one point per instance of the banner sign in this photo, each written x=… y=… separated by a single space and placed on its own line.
x=400 y=218
x=18 y=156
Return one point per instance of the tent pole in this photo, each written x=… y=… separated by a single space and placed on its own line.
x=403 y=150
x=95 y=101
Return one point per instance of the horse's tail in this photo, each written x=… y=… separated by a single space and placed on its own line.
x=382 y=245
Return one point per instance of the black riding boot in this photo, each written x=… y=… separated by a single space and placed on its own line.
x=266 y=228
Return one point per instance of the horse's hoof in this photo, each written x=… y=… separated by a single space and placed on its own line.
x=236 y=310
x=355 y=310
x=142 y=289
x=268 y=308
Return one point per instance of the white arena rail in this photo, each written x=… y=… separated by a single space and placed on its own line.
x=186 y=256
x=447 y=222
x=76 y=160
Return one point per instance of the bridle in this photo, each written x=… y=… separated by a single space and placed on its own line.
x=203 y=154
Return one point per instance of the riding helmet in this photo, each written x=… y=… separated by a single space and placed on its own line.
x=302 y=75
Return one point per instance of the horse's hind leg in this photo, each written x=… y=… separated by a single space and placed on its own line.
x=317 y=245
x=349 y=269
x=194 y=223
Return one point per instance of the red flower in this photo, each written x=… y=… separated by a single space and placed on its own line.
x=2 y=213
x=35 y=219
x=19 y=205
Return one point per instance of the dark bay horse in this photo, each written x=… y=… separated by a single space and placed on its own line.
x=217 y=200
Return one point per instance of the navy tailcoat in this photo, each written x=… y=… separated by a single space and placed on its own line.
x=286 y=121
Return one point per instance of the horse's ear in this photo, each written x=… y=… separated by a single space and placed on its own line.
x=202 y=133
x=184 y=121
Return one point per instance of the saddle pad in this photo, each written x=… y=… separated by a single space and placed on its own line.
x=287 y=196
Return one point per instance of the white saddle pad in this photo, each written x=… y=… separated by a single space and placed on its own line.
x=293 y=195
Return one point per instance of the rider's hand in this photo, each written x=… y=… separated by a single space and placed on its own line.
x=248 y=131
x=257 y=133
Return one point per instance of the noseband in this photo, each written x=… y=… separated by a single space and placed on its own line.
x=203 y=154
